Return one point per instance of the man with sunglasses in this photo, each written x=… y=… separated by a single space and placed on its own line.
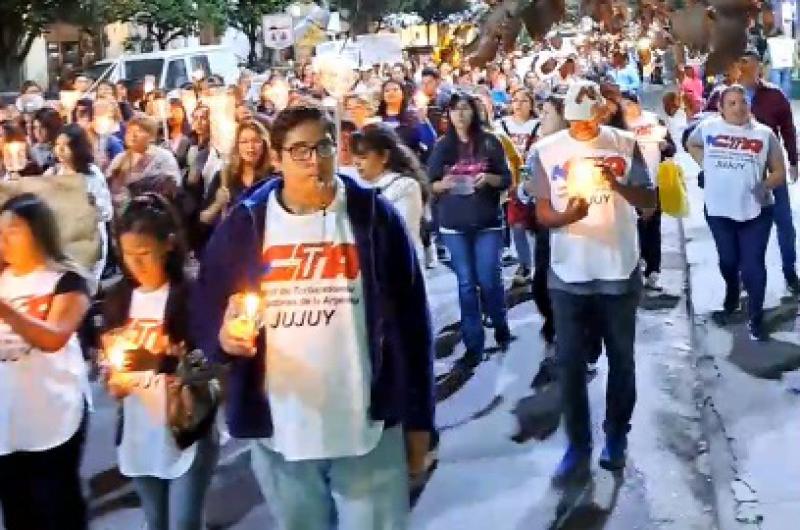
x=336 y=389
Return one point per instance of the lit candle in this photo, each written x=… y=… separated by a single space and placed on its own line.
x=247 y=317
x=278 y=93
x=198 y=75
x=581 y=179
x=117 y=353
x=15 y=156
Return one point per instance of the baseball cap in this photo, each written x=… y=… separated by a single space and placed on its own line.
x=580 y=101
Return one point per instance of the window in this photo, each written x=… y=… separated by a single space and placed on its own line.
x=176 y=74
x=136 y=70
x=200 y=62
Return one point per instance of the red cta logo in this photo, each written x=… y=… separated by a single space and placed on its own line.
x=311 y=261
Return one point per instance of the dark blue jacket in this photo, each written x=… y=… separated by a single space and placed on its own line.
x=398 y=321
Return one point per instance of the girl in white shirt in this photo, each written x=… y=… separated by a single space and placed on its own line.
x=74 y=153
x=384 y=161
x=44 y=386
x=150 y=310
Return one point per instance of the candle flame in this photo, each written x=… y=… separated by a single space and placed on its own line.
x=581 y=179
x=118 y=352
x=252 y=304
x=421 y=100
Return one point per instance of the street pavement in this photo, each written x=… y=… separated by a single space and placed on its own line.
x=710 y=446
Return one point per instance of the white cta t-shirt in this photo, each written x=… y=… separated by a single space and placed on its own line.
x=42 y=394
x=604 y=245
x=148 y=448
x=735 y=162
x=318 y=368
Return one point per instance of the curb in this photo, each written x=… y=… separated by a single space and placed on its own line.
x=720 y=465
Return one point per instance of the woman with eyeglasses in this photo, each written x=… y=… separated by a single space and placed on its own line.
x=522 y=128
x=388 y=165
x=413 y=127
x=249 y=164
x=469 y=173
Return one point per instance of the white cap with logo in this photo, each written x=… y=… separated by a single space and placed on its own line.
x=581 y=101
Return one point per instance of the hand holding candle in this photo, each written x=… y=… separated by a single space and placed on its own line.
x=582 y=178
x=242 y=321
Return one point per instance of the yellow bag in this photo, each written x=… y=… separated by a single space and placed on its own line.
x=672 y=189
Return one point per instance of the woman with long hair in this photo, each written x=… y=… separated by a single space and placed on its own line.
x=412 y=125
x=74 y=154
x=469 y=173
x=178 y=131
x=46 y=125
x=44 y=298
x=106 y=132
x=389 y=165
x=249 y=164
x=149 y=308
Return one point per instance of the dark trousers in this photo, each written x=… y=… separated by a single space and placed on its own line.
x=650 y=242
x=742 y=249
x=41 y=490
x=541 y=296
x=578 y=318
x=787 y=238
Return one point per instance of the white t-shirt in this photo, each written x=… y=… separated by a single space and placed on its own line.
x=520 y=133
x=781 y=51
x=318 y=369
x=148 y=448
x=643 y=129
x=42 y=394
x=604 y=245
x=405 y=194
x=734 y=161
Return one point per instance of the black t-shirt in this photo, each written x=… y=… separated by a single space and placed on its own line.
x=71 y=282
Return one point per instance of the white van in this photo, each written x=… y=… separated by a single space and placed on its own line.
x=171 y=68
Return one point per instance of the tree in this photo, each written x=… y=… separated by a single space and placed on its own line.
x=21 y=21
x=163 y=20
x=246 y=15
x=434 y=10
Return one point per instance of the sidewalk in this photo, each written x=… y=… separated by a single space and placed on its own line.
x=751 y=416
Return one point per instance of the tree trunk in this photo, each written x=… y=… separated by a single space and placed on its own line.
x=10 y=70
x=252 y=56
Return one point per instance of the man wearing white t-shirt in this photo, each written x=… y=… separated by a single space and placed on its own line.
x=588 y=181
x=337 y=388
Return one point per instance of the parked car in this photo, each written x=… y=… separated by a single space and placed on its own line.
x=171 y=68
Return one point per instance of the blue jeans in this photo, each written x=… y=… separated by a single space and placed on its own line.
x=785 y=227
x=475 y=258
x=579 y=319
x=783 y=78
x=368 y=492
x=523 y=246
x=742 y=249
x=178 y=504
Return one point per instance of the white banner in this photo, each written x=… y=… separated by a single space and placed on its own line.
x=278 y=31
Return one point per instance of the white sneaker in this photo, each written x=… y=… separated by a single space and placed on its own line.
x=651 y=282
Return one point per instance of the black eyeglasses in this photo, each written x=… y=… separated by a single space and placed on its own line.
x=302 y=152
